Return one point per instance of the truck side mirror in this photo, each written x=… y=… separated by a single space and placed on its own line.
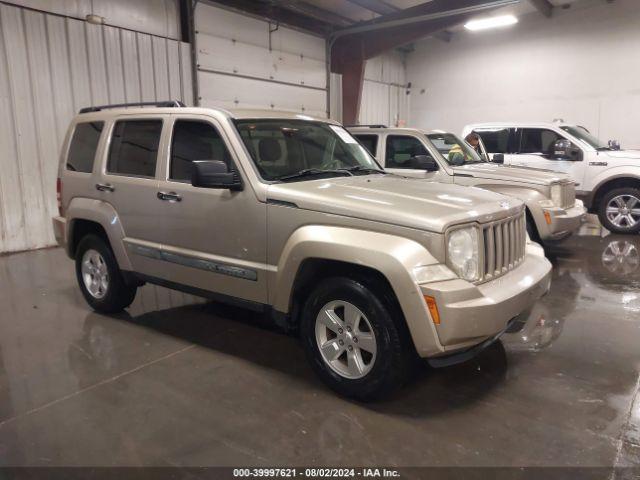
x=614 y=144
x=424 y=162
x=213 y=174
x=563 y=149
x=498 y=158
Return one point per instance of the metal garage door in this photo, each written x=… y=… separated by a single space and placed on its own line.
x=384 y=92
x=244 y=62
x=50 y=66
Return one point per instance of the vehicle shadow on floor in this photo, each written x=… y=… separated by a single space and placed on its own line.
x=250 y=337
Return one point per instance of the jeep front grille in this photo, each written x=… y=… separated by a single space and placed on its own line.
x=504 y=243
x=568 y=195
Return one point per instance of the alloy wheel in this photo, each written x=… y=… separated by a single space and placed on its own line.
x=623 y=211
x=345 y=339
x=95 y=274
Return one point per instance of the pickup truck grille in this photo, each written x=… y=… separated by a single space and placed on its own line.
x=504 y=243
x=568 y=195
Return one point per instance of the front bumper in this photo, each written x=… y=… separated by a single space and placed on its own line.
x=563 y=221
x=470 y=314
x=60 y=230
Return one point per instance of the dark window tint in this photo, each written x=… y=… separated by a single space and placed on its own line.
x=495 y=140
x=134 y=147
x=194 y=140
x=401 y=150
x=538 y=140
x=370 y=142
x=84 y=144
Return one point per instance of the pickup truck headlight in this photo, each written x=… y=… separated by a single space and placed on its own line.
x=462 y=251
x=556 y=195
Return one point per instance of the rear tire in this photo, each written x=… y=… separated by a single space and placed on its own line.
x=99 y=277
x=619 y=210
x=359 y=349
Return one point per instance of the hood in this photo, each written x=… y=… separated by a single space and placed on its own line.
x=622 y=154
x=397 y=200
x=491 y=171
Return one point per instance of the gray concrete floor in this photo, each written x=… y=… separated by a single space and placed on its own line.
x=176 y=381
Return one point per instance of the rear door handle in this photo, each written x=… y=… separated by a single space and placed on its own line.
x=170 y=196
x=104 y=187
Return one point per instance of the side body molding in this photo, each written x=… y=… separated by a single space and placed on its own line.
x=394 y=257
x=104 y=214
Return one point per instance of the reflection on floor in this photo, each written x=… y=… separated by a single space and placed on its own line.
x=177 y=381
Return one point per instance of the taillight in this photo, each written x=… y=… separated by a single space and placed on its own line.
x=59 y=196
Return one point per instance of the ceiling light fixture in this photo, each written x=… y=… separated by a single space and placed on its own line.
x=491 y=22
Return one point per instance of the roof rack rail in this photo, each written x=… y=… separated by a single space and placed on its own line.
x=165 y=103
x=367 y=126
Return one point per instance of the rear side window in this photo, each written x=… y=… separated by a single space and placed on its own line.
x=538 y=140
x=401 y=150
x=194 y=140
x=495 y=140
x=370 y=142
x=134 y=148
x=84 y=144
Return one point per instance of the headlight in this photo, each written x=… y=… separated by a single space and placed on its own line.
x=556 y=195
x=462 y=251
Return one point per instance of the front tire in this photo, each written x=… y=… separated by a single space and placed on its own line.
x=99 y=277
x=619 y=210
x=353 y=339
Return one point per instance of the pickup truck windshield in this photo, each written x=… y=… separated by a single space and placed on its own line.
x=454 y=150
x=581 y=134
x=294 y=150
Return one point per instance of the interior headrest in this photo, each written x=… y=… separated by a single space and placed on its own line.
x=269 y=149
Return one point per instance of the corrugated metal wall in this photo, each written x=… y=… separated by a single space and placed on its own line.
x=245 y=62
x=157 y=17
x=51 y=66
x=384 y=94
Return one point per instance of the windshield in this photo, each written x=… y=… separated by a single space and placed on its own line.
x=455 y=150
x=284 y=149
x=581 y=134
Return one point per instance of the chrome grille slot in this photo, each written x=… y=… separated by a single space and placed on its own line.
x=503 y=246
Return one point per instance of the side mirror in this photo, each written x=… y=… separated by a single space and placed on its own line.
x=498 y=158
x=563 y=149
x=424 y=162
x=213 y=174
x=614 y=144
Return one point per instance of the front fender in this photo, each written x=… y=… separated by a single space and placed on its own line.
x=613 y=173
x=104 y=214
x=394 y=257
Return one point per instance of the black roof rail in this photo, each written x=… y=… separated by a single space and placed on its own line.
x=367 y=126
x=165 y=103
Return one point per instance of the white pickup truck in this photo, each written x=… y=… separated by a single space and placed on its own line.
x=607 y=178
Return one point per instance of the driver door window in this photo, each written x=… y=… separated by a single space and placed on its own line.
x=401 y=149
x=538 y=141
x=194 y=140
x=400 y=153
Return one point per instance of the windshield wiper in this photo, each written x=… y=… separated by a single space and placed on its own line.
x=603 y=149
x=314 y=171
x=362 y=168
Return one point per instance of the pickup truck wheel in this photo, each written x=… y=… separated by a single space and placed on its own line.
x=619 y=210
x=352 y=340
x=99 y=277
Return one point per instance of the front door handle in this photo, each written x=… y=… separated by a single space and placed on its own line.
x=170 y=196
x=104 y=187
